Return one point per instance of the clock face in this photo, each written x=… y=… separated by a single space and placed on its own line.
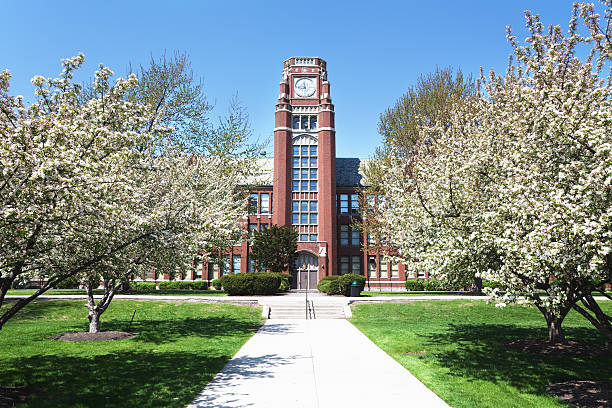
x=304 y=87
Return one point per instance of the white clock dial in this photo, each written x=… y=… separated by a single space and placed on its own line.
x=304 y=87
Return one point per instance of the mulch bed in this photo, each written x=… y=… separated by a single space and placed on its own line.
x=569 y=348
x=100 y=336
x=583 y=394
x=10 y=396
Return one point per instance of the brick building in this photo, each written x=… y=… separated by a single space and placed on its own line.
x=306 y=186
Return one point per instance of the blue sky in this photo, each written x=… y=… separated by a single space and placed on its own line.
x=374 y=50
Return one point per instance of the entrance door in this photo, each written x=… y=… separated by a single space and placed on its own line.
x=306 y=271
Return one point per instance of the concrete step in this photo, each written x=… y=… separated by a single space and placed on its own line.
x=298 y=311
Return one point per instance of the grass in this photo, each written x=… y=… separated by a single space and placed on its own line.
x=164 y=292
x=415 y=293
x=178 y=349
x=458 y=351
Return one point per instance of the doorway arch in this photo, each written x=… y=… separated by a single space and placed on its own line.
x=306 y=271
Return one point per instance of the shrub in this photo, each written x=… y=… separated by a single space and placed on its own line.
x=416 y=285
x=142 y=287
x=286 y=280
x=260 y=283
x=217 y=284
x=330 y=285
x=69 y=283
x=345 y=281
x=183 y=285
x=340 y=285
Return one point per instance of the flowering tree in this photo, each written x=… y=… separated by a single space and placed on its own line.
x=96 y=185
x=516 y=186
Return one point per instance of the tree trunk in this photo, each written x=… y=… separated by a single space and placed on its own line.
x=555 y=331
x=476 y=286
x=94 y=321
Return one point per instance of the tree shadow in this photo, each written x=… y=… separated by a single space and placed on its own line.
x=123 y=379
x=478 y=354
x=41 y=308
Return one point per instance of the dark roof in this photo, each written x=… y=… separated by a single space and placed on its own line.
x=347 y=172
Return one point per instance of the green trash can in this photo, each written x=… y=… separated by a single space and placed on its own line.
x=355 y=289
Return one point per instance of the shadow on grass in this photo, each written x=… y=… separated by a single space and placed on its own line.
x=478 y=354
x=167 y=331
x=126 y=379
x=41 y=308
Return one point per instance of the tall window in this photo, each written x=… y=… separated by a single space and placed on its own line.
x=265 y=203
x=236 y=264
x=384 y=271
x=356 y=265
x=253 y=203
x=304 y=178
x=198 y=268
x=344 y=235
x=344 y=203
x=354 y=204
x=344 y=265
x=394 y=270
x=225 y=264
x=250 y=265
x=372 y=266
x=355 y=236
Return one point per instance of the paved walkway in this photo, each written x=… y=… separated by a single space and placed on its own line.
x=313 y=364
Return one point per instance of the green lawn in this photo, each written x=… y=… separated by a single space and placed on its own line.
x=164 y=292
x=459 y=353
x=178 y=349
x=373 y=293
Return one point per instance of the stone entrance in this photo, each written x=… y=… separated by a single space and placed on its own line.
x=306 y=271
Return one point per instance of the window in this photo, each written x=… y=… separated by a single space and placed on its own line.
x=253 y=203
x=250 y=265
x=198 y=268
x=264 y=227
x=370 y=201
x=384 y=271
x=356 y=265
x=344 y=235
x=252 y=228
x=394 y=270
x=265 y=203
x=236 y=264
x=354 y=204
x=344 y=265
x=372 y=266
x=213 y=271
x=355 y=237
x=225 y=263
x=371 y=239
x=344 y=203
x=304 y=179
x=304 y=122
x=313 y=237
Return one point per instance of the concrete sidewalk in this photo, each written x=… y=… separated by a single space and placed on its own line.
x=313 y=363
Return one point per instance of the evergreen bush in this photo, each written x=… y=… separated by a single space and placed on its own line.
x=260 y=283
x=183 y=285
x=414 y=285
x=142 y=287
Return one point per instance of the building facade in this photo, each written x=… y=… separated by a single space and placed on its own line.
x=307 y=187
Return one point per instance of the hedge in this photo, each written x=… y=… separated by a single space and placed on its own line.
x=69 y=283
x=183 y=285
x=260 y=283
x=416 y=285
x=217 y=284
x=340 y=284
x=142 y=287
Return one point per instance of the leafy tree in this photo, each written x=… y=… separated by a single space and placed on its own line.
x=431 y=101
x=274 y=248
x=97 y=186
x=518 y=188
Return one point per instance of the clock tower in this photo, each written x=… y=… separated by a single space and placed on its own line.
x=305 y=167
